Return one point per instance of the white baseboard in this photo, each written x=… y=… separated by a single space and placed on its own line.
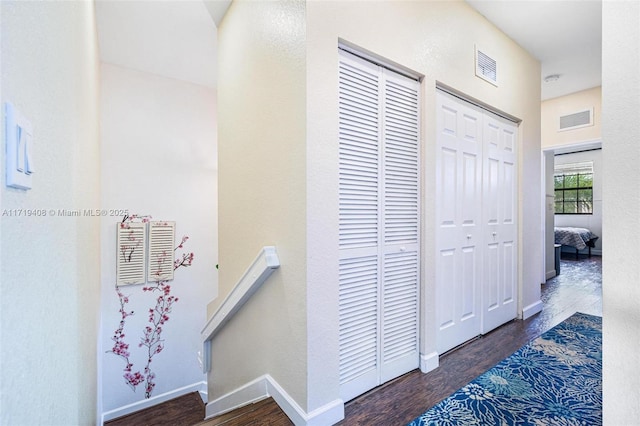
x=200 y=387
x=532 y=309
x=264 y=387
x=328 y=414
x=550 y=274
x=204 y=394
x=251 y=392
x=429 y=362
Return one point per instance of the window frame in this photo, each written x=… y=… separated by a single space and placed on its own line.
x=577 y=200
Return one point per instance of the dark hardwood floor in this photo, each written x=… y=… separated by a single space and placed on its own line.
x=577 y=289
x=185 y=410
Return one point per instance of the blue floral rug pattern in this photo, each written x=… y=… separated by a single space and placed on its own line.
x=555 y=379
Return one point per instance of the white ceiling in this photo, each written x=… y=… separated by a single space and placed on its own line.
x=217 y=9
x=175 y=39
x=178 y=39
x=564 y=35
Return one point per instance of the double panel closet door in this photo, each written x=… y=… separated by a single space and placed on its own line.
x=499 y=283
x=379 y=227
x=476 y=279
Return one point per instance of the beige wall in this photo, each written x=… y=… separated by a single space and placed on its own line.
x=277 y=189
x=552 y=109
x=262 y=168
x=437 y=40
x=621 y=210
x=50 y=275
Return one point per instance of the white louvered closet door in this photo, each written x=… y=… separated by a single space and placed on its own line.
x=378 y=225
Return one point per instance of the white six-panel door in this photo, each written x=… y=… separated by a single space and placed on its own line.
x=475 y=221
x=459 y=238
x=499 y=213
x=378 y=225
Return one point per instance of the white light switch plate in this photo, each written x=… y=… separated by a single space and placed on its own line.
x=19 y=149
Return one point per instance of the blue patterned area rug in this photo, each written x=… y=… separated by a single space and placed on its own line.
x=555 y=379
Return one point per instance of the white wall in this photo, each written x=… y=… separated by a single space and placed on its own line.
x=589 y=221
x=621 y=211
x=50 y=272
x=158 y=157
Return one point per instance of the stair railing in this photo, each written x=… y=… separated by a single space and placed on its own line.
x=262 y=267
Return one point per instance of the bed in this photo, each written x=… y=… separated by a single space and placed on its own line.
x=578 y=238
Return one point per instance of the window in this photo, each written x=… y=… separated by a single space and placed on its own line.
x=574 y=188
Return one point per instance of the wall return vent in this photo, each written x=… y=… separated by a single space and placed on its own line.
x=486 y=67
x=576 y=120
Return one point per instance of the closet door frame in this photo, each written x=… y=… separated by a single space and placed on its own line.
x=378 y=345
x=496 y=303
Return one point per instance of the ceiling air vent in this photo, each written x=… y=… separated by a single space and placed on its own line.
x=486 y=67
x=576 y=120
